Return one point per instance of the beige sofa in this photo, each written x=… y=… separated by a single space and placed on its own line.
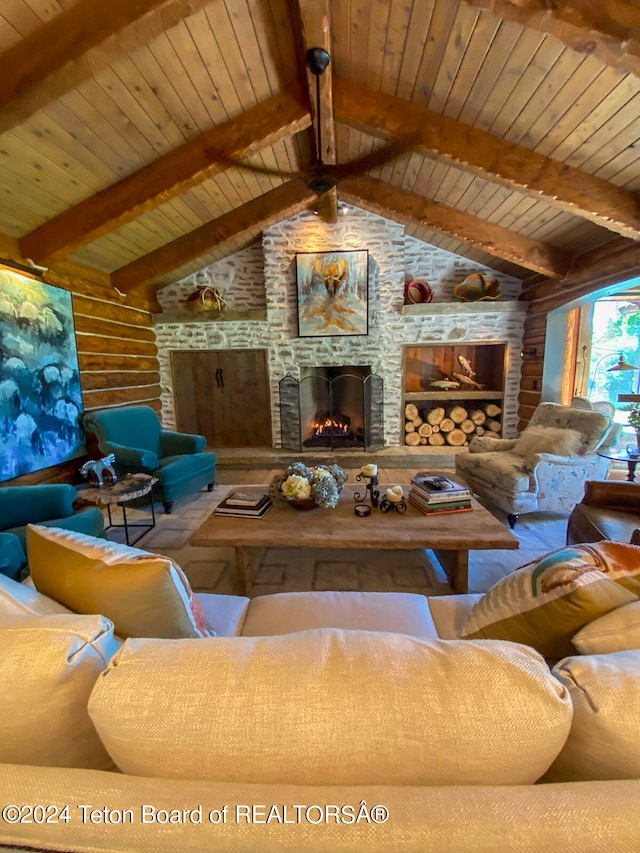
x=313 y=721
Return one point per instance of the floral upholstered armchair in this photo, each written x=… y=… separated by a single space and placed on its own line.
x=545 y=468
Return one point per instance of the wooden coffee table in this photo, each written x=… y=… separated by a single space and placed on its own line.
x=451 y=536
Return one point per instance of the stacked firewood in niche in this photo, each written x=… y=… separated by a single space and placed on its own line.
x=455 y=425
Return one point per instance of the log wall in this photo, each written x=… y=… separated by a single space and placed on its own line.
x=592 y=272
x=117 y=355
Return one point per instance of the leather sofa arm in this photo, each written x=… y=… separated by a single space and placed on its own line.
x=613 y=494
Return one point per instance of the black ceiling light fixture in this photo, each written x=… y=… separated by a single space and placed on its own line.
x=321 y=177
x=318 y=60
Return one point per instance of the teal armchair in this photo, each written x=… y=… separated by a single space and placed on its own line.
x=50 y=504
x=135 y=436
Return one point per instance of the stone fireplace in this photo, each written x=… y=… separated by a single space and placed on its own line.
x=335 y=408
x=262 y=279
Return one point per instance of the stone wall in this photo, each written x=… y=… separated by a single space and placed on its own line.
x=268 y=273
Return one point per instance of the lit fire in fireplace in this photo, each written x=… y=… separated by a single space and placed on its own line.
x=331 y=426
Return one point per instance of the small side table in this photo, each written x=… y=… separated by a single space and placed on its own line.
x=623 y=456
x=130 y=487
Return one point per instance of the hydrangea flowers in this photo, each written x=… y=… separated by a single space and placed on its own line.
x=319 y=483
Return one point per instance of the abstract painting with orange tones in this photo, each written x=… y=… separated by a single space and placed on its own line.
x=332 y=293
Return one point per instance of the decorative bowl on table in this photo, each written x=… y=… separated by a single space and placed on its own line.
x=308 y=486
x=299 y=503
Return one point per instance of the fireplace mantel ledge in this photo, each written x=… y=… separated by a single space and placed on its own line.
x=228 y=316
x=466 y=308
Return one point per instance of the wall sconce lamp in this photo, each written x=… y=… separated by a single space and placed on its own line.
x=529 y=353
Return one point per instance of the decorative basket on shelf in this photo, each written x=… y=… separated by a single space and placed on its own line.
x=206 y=298
x=478 y=286
x=417 y=292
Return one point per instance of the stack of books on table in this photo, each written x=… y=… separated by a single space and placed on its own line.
x=434 y=494
x=244 y=505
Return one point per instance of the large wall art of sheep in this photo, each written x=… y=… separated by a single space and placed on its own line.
x=40 y=394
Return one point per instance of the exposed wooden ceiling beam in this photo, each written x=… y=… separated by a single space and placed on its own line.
x=76 y=277
x=608 y=29
x=407 y=207
x=277 y=204
x=315 y=20
x=174 y=173
x=593 y=270
x=75 y=45
x=480 y=153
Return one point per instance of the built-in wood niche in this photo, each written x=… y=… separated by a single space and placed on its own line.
x=223 y=395
x=483 y=406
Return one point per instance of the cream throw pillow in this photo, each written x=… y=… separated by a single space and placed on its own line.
x=604 y=742
x=545 y=603
x=19 y=599
x=48 y=667
x=541 y=439
x=618 y=631
x=332 y=707
x=144 y=595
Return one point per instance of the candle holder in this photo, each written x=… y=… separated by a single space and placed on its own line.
x=387 y=505
x=370 y=491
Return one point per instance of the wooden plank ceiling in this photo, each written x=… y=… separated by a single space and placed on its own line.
x=506 y=132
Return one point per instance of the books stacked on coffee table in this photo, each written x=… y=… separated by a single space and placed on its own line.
x=244 y=505
x=433 y=494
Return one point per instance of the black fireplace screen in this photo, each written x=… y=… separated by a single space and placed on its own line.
x=332 y=407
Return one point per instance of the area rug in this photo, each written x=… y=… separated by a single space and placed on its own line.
x=298 y=570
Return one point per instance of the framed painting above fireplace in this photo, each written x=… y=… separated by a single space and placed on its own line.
x=333 y=293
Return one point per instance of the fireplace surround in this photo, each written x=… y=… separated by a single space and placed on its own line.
x=332 y=408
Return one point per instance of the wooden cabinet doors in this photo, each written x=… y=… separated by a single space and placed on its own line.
x=223 y=395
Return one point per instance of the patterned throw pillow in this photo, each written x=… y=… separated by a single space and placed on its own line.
x=544 y=603
x=144 y=595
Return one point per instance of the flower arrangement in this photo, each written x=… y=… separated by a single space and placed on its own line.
x=318 y=483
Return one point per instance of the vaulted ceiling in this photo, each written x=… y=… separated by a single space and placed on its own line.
x=507 y=131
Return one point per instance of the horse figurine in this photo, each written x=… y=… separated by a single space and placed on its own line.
x=100 y=472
